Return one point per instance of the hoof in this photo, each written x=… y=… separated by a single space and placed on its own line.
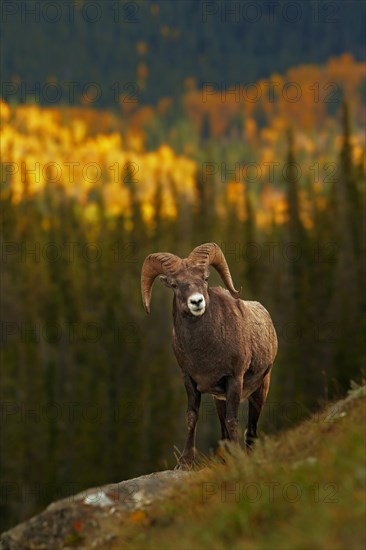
x=184 y=466
x=249 y=441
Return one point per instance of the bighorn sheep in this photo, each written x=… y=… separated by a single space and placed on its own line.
x=224 y=346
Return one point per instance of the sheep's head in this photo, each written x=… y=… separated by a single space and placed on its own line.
x=187 y=277
x=190 y=284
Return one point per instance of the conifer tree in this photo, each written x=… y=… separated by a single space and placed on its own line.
x=346 y=292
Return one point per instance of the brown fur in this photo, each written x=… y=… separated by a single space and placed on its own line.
x=233 y=338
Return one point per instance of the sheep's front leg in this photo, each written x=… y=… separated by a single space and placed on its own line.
x=233 y=395
x=194 y=401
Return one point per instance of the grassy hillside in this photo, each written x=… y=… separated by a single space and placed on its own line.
x=303 y=489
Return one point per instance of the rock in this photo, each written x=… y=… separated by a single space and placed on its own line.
x=78 y=520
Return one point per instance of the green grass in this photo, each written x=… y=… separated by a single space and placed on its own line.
x=304 y=489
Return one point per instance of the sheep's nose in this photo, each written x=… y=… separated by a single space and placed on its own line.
x=196 y=304
x=196 y=301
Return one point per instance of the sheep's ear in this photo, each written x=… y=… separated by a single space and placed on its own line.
x=164 y=280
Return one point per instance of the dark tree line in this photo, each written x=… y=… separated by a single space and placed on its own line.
x=187 y=38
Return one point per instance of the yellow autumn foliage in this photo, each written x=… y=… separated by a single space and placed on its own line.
x=97 y=160
x=38 y=148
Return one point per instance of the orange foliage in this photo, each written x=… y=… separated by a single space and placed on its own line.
x=163 y=105
x=142 y=71
x=274 y=207
x=301 y=97
x=141 y=48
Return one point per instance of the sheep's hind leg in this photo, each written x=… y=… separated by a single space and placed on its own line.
x=194 y=400
x=221 y=411
x=256 y=402
x=233 y=395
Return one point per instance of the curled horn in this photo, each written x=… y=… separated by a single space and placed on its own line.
x=211 y=254
x=154 y=265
